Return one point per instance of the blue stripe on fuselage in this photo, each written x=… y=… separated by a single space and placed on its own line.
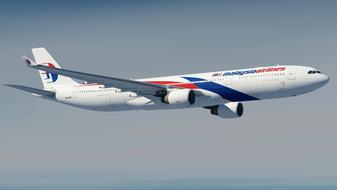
x=223 y=91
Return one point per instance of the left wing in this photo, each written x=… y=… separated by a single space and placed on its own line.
x=34 y=91
x=123 y=84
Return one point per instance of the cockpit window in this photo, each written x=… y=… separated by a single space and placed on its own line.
x=314 y=72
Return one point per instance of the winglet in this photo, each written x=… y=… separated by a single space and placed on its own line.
x=28 y=61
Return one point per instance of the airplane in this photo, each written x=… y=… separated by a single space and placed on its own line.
x=221 y=92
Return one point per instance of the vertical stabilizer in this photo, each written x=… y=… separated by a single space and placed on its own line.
x=50 y=80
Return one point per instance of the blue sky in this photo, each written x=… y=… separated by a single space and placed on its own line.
x=285 y=141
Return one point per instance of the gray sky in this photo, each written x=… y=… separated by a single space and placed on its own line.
x=285 y=140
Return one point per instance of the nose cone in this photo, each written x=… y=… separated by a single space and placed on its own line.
x=325 y=79
x=322 y=80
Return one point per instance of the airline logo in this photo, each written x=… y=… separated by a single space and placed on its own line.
x=217 y=74
x=50 y=77
x=250 y=71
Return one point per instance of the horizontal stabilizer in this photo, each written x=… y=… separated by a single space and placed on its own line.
x=34 y=91
x=28 y=61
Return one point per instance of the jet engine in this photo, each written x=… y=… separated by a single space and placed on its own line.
x=183 y=96
x=229 y=110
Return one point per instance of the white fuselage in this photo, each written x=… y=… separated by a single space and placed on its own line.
x=213 y=88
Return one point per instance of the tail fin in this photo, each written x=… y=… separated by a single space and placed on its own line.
x=50 y=80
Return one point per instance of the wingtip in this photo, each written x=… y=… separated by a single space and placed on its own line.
x=8 y=85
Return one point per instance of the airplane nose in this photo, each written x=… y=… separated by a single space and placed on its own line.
x=324 y=79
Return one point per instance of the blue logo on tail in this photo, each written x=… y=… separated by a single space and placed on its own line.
x=51 y=77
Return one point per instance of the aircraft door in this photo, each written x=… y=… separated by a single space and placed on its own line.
x=228 y=80
x=292 y=74
x=75 y=92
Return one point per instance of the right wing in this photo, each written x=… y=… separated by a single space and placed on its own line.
x=123 y=84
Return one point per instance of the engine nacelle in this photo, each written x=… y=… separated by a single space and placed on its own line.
x=184 y=96
x=229 y=110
